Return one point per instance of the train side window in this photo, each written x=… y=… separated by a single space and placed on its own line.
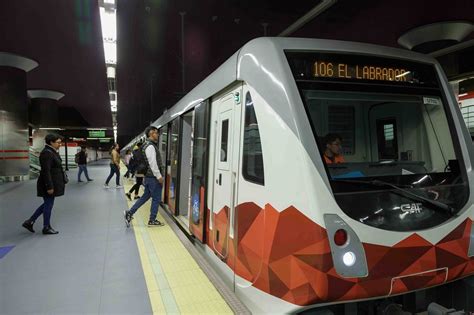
x=252 y=168
x=387 y=139
x=224 y=140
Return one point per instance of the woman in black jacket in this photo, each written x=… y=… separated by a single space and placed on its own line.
x=51 y=183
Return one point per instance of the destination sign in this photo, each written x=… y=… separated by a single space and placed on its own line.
x=351 y=68
x=324 y=69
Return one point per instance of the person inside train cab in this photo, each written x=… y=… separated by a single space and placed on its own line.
x=333 y=149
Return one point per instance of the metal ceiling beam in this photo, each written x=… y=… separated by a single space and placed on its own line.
x=314 y=12
x=454 y=48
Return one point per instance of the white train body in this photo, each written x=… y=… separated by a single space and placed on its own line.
x=273 y=205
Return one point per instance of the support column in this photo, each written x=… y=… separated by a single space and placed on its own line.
x=44 y=108
x=14 y=146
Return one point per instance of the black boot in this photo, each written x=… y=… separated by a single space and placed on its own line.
x=49 y=230
x=28 y=224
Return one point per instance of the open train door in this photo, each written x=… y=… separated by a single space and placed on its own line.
x=226 y=118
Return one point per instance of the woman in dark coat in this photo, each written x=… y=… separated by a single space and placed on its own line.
x=51 y=183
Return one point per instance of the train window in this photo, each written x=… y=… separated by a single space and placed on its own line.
x=199 y=168
x=163 y=141
x=252 y=168
x=387 y=139
x=224 y=140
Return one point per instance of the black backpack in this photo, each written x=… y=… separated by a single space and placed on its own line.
x=76 y=157
x=138 y=162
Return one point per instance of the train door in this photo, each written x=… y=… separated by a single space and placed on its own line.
x=226 y=156
x=198 y=217
x=185 y=168
x=172 y=169
x=163 y=146
x=385 y=128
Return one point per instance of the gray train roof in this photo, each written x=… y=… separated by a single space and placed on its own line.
x=261 y=63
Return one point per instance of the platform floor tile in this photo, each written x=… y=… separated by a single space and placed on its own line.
x=176 y=284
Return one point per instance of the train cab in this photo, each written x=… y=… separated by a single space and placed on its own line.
x=394 y=131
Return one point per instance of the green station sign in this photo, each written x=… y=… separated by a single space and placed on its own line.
x=96 y=133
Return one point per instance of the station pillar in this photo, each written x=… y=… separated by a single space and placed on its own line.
x=14 y=142
x=44 y=110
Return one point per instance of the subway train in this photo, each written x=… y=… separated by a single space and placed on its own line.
x=249 y=178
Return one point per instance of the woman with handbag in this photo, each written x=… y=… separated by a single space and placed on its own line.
x=51 y=183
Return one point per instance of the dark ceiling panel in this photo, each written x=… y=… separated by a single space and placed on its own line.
x=149 y=48
x=383 y=22
x=65 y=38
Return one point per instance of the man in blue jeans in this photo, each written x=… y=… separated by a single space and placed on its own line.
x=153 y=179
x=82 y=164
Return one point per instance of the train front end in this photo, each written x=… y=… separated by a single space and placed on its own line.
x=396 y=158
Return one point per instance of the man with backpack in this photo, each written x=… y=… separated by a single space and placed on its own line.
x=138 y=167
x=153 y=179
x=81 y=160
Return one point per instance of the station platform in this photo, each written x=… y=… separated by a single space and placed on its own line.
x=95 y=265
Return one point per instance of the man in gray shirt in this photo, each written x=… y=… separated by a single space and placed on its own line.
x=153 y=179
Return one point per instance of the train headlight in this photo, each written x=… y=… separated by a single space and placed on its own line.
x=347 y=251
x=349 y=259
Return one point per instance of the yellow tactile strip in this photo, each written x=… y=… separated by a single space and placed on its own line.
x=176 y=284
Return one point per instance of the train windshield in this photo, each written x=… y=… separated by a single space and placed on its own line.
x=385 y=136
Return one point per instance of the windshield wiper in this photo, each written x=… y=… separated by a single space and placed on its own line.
x=380 y=183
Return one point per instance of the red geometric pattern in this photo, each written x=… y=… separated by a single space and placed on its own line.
x=288 y=256
x=221 y=226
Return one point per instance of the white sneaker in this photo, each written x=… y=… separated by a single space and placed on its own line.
x=106 y=186
x=119 y=186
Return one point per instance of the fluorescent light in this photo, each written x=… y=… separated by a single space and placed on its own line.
x=108 y=22
x=111 y=72
x=110 y=51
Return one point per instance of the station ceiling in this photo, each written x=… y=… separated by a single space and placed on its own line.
x=65 y=38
